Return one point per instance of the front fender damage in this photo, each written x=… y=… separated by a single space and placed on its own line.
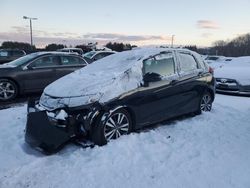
x=49 y=134
x=41 y=134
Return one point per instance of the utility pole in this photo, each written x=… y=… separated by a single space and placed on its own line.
x=172 y=41
x=31 y=39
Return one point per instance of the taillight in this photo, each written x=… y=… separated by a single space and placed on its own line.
x=211 y=70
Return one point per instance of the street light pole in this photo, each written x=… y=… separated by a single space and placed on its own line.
x=31 y=39
x=172 y=41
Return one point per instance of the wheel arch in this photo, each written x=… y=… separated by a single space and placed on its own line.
x=211 y=92
x=13 y=80
x=110 y=110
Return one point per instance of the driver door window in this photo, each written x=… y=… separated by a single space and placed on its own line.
x=47 y=61
x=162 y=64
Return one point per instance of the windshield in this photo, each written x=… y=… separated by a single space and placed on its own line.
x=22 y=60
x=89 y=54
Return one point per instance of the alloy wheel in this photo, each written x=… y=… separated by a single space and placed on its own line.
x=7 y=90
x=206 y=103
x=115 y=126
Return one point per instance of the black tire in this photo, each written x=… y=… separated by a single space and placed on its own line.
x=8 y=90
x=104 y=130
x=205 y=104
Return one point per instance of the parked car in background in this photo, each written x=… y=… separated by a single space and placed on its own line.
x=118 y=94
x=33 y=72
x=7 y=55
x=72 y=50
x=234 y=78
x=217 y=61
x=96 y=55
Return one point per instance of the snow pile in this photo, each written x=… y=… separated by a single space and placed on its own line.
x=238 y=69
x=210 y=150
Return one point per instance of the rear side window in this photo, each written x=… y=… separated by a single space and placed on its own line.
x=187 y=62
x=70 y=60
x=162 y=64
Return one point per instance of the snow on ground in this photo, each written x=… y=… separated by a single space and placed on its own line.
x=209 y=150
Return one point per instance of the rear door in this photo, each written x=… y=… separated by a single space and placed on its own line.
x=192 y=80
x=68 y=64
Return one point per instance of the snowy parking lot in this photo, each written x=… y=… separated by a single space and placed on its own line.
x=209 y=150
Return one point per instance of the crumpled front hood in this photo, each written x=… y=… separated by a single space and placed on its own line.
x=75 y=85
x=78 y=89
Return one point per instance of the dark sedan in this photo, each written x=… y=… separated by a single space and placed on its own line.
x=7 y=55
x=33 y=72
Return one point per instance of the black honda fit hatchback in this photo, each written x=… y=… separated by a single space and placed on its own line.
x=119 y=94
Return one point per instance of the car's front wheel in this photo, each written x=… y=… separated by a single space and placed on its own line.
x=8 y=90
x=113 y=126
x=205 y=103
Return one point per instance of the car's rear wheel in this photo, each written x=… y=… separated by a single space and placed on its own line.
x=205 y=103
x=8 y=90
x=113 y=126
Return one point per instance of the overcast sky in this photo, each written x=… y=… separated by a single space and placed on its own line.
x=140 y=22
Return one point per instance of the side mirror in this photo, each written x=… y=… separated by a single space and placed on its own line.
x=29 y=67
x=151 y=77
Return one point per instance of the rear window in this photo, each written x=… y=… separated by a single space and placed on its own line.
x=89 y=54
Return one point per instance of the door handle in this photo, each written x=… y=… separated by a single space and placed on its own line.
x=173 y=82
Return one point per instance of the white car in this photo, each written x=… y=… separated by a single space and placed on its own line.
x=217 y=61
x=234 y=77
x=96 y=55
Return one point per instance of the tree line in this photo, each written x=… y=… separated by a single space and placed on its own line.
x=119 y=47
x=239 y=46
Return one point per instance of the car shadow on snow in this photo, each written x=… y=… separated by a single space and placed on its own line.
x=19 y=101
x=233 y=94
x=31 y=151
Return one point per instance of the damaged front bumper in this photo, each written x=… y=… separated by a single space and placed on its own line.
x=48 y=132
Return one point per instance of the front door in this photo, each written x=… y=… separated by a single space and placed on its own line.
x=40 y=73
x=159 y=100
